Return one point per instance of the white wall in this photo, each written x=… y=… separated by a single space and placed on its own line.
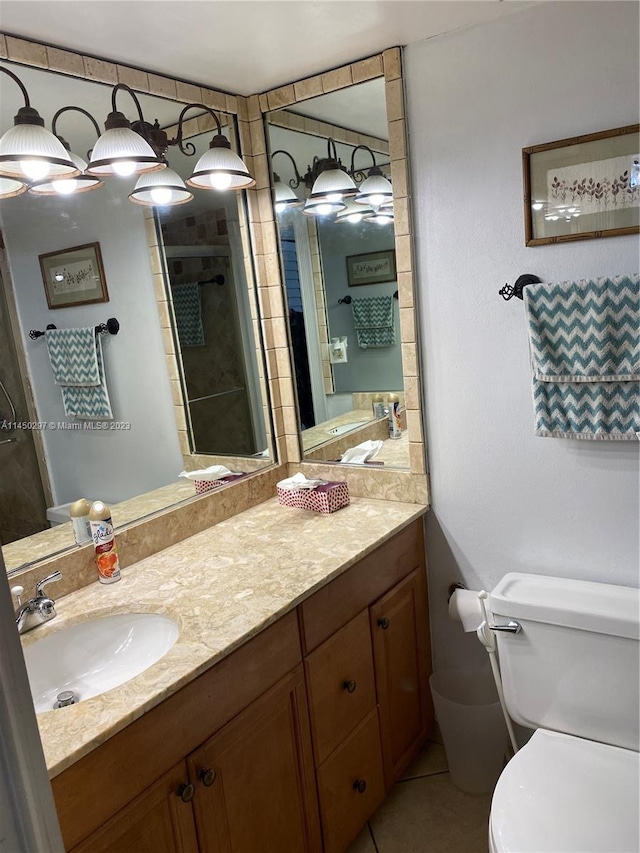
x=504 y=499
x=110 y=465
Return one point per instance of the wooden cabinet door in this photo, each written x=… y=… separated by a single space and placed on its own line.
x=255 y=787
x=401 y=652
x=159 y=819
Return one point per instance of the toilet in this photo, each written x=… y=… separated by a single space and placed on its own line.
x=572 y=673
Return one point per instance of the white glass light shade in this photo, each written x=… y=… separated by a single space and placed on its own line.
x=375 y=190
x=353 y=213
x=380 y=217
x=10 y=187
x=68 y=186
x=29 y=151
x=332 y=186
x=322 y=207
x=220 y=168
x=160 y=189
x=284 y=197
x=122 y=151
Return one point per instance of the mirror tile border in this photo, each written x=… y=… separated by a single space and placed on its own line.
x=412 y=485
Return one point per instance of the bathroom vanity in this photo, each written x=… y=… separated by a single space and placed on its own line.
x=286 y=709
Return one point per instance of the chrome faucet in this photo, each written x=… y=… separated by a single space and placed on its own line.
x=39 y=609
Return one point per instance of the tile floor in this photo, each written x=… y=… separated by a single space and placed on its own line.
x=426 y=813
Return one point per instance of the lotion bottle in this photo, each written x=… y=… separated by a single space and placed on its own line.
x=377 y=403
x=104 y=543
x=395 y=429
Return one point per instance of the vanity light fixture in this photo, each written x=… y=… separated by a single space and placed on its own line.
x=353 y=213
x=29 y=152
x=375 y=190
x=332 y=185
x=160 y=189
x=83 y=182
x=10 y=187
x=284 y=196
x=122 y=150
x=219 y=168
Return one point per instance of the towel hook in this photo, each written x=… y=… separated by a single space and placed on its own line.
x=509 y=291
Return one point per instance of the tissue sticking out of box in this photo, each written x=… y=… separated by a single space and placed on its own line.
x=207 y=479
x=299 y=482
x=338 y=350
x=362 y=453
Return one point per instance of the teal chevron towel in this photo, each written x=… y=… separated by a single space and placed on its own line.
x=77 y=365
x=187 y=308
x=584 y=339
x=374 y=321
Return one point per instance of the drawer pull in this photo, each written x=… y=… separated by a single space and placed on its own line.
x=383 y=623
x=360 y=786
x=186 y=792
x=349 y=686
x=207 y=777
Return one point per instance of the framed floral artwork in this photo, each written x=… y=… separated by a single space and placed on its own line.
x=581 y=188
x=74 y=276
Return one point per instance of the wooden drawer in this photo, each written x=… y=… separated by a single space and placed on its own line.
x=335 y=604
x=340 y=685
x=343 y=808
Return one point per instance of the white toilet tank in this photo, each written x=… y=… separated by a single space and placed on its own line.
x=575 y=666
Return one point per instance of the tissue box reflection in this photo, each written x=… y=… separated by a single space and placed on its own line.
x=209 y=485
x=326 y=498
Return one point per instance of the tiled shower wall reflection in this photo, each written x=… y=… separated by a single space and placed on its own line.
x=22 y=504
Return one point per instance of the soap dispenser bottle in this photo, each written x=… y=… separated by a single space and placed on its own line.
x=377 y=403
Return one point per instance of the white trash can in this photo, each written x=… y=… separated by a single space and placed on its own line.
x=473 y=729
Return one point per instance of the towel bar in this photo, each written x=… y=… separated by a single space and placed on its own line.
x=111 y=327
x=508 y=291
x=347 y=300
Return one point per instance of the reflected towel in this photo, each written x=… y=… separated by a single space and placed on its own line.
x=77 y=365
x=187 y=308
x=584 y=340
x=374 y=321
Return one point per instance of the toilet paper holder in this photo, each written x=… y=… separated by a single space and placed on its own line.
x=512 y=627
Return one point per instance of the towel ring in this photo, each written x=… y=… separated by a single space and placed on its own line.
x=508 y=291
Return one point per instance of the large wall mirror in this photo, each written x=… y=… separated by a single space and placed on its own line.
x=339 y=270
x=183 y=373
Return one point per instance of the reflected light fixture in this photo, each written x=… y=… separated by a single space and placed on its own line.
x=284 y=196
x=375 y=189
x=634 y=177
x=27 y=150
x=122 y=149
x=10 y=187
x=353 y=213
x=332 y=185
x=83 y=182
x=161 y=189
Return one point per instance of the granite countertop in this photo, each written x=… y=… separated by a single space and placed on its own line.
x=222 y=586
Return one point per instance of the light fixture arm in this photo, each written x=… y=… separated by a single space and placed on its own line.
x=23 y=89
x=358 y=175
x=72 y=108
x=189 y=148
x=297 y=180
x=122 y=87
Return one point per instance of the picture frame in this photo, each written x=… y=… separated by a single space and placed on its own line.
x=580 y=188
x=371 y=268
x=74 y=276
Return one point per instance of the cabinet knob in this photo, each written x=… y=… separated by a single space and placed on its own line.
x=186 y=792
x=207 y=777
x=349 y=686
x=383 y=623
x=360 y=786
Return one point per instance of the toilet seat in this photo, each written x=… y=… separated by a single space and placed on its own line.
x=568 y=794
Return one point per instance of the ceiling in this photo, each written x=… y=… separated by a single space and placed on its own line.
x=241 y=46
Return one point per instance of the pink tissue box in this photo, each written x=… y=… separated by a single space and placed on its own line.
x=326 y=498
x=210 y=485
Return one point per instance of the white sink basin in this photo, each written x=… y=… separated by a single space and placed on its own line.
x=92 y=657
x=340 y=430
